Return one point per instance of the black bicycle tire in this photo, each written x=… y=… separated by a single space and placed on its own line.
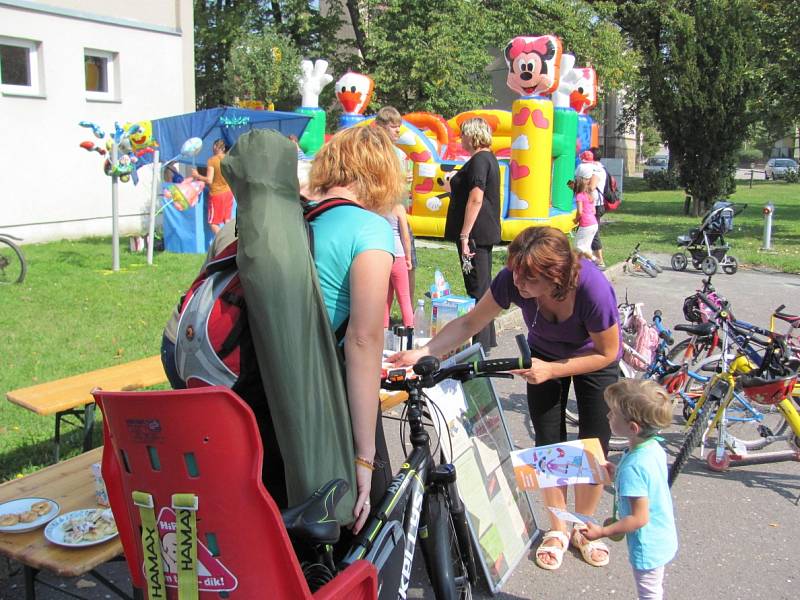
x=690 y=442
x=458 y=514
x=438 y=548
x=20 y=256
x=701 y=351
x=572 y=417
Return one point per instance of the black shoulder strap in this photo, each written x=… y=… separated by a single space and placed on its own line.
x=311 y=212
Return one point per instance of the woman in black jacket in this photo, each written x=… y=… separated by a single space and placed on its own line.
x=473 y=216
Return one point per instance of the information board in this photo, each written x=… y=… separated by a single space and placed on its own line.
x=501 y=517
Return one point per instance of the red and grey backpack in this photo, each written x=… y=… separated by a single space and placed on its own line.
x=213 y=328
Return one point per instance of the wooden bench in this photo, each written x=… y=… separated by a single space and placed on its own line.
x=72 y=396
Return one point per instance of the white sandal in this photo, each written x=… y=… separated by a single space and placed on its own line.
x=554 y=551
x=588 y=547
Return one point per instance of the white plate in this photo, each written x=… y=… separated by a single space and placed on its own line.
x=54 y=532
x=21 y=505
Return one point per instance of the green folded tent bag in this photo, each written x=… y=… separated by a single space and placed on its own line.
x=294 y=343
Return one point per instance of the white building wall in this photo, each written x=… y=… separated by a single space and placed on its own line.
x=52 y=188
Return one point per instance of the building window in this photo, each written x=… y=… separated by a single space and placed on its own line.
x=19 y=66
x=100 y=74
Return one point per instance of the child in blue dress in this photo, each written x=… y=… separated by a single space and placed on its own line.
x=642 y=501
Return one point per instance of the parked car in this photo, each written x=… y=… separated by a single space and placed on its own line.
x=655 y=164
x=777 y=167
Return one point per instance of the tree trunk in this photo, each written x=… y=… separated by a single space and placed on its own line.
x=355 y=19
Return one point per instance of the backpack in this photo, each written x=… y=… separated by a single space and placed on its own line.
x=611 y=195
x=213 y=333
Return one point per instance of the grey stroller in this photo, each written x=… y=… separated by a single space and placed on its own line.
x=706 y=244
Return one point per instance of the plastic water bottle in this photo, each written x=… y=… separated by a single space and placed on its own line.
x=421 y=325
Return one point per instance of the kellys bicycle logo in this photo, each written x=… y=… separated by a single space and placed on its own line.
x=212 y=575
x=408 y=556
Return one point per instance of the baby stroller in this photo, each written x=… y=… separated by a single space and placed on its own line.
x=706 y=244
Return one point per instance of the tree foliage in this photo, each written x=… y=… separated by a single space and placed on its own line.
x=264 y=66
x=778 y=26
x=700 y=73
x=427 y=54
x=221 y=25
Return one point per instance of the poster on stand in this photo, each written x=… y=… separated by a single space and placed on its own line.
x=475 y=438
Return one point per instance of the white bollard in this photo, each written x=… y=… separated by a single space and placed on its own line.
x=768 y=211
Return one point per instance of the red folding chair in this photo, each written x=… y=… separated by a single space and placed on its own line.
x=202 y=444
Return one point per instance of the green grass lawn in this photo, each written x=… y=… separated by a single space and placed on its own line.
x=72 y=314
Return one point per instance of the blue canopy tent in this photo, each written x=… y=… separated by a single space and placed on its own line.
x=214 y=123
x=187 y=231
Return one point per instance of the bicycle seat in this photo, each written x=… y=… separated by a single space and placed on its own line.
x=313 y=521
x=701 y=329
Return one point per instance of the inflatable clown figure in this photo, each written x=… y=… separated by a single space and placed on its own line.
x=354 y=92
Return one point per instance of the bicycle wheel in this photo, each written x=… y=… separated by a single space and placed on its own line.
x=444 y=563
x=690 y=442
x=753 y=425
x=12 y=262
x=647 y=267
x=678 y=353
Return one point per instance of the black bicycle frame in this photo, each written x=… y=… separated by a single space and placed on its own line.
x=406 y=492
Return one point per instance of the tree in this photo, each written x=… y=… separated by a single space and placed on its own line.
x=425 y=54
x=700 y=73
x=263 y=66
x=218 y=24
x=779 y=102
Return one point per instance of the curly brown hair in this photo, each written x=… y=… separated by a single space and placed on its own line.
x=544 y=252
x=362 y=158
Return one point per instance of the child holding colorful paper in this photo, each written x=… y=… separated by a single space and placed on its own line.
x=642 y=501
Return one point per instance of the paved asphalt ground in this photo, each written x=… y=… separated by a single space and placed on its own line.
x=739 y=532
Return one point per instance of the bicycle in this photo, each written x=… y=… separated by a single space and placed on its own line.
x=769 y=383
x=635 y=259
x=13 y=265
x=421 y=504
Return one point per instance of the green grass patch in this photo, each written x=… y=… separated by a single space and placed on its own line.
x=73 y=314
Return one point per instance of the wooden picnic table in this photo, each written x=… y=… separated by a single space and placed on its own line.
x=72 y=396
x=71 y=484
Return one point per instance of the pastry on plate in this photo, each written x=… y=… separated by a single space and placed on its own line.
x=9 y=520
x=28 y=516
x=41 y=508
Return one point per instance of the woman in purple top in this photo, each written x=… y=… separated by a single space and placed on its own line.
x=571 y=313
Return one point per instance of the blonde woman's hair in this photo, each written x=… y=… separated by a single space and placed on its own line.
x=362 y=158
x=478 y=132
x=642 y=401
x=388 y=115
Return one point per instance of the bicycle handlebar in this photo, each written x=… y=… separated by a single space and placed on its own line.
x=664 y=333
x=429 y=374
x=794 y=320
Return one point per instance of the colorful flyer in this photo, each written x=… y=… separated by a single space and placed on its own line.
x=565 y=463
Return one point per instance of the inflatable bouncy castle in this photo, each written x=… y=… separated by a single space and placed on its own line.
x=536 y=142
